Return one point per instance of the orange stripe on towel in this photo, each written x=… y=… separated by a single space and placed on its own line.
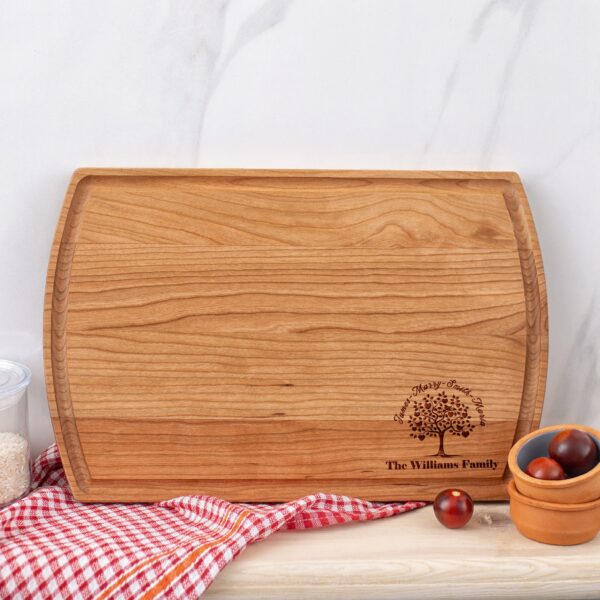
x=167 y=578
x=139 y=566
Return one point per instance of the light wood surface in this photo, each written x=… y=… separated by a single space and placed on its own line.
x=261 y=335
x=411 y=556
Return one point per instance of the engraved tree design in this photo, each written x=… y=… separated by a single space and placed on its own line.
x=439 y=415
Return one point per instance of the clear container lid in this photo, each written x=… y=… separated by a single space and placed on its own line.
x=14 y=378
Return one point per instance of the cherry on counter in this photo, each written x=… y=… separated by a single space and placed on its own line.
x=453 y=508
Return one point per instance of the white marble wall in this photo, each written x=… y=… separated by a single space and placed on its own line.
x=401 y=84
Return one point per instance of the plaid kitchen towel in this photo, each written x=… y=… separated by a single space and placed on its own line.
x=52 y=546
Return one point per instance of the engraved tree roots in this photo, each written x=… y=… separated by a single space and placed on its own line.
x=439 y=415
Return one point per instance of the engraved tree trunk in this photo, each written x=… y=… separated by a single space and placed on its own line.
x=441 y=451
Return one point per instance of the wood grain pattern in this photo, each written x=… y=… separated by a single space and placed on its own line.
x=412 y=557
x=260 y=334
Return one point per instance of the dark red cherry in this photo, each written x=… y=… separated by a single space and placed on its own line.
x=545 y=468
x=453 y=508
x=575 y=450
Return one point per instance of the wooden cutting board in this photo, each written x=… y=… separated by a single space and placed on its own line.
x=260 y=335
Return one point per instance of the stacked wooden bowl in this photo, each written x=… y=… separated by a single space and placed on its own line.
x=563 y=512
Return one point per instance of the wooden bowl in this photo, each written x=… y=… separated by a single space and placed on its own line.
x=551 y=523
x=585 y=488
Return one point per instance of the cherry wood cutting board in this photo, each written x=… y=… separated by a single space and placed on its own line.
x=260 y=335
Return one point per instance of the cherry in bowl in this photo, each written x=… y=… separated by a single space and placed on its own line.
x=575 y=451
x=545 y=468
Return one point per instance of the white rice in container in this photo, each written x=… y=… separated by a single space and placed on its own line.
x=14 y=466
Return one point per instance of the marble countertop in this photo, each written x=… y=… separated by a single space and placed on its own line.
x=505 y=85
x=411 y=556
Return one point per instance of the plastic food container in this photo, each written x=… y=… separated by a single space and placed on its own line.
x=15 y=471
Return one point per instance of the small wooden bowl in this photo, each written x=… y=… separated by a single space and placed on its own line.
x=551 y=523
x=585 y=488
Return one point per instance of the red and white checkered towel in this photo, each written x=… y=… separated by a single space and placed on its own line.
x=51 y=546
